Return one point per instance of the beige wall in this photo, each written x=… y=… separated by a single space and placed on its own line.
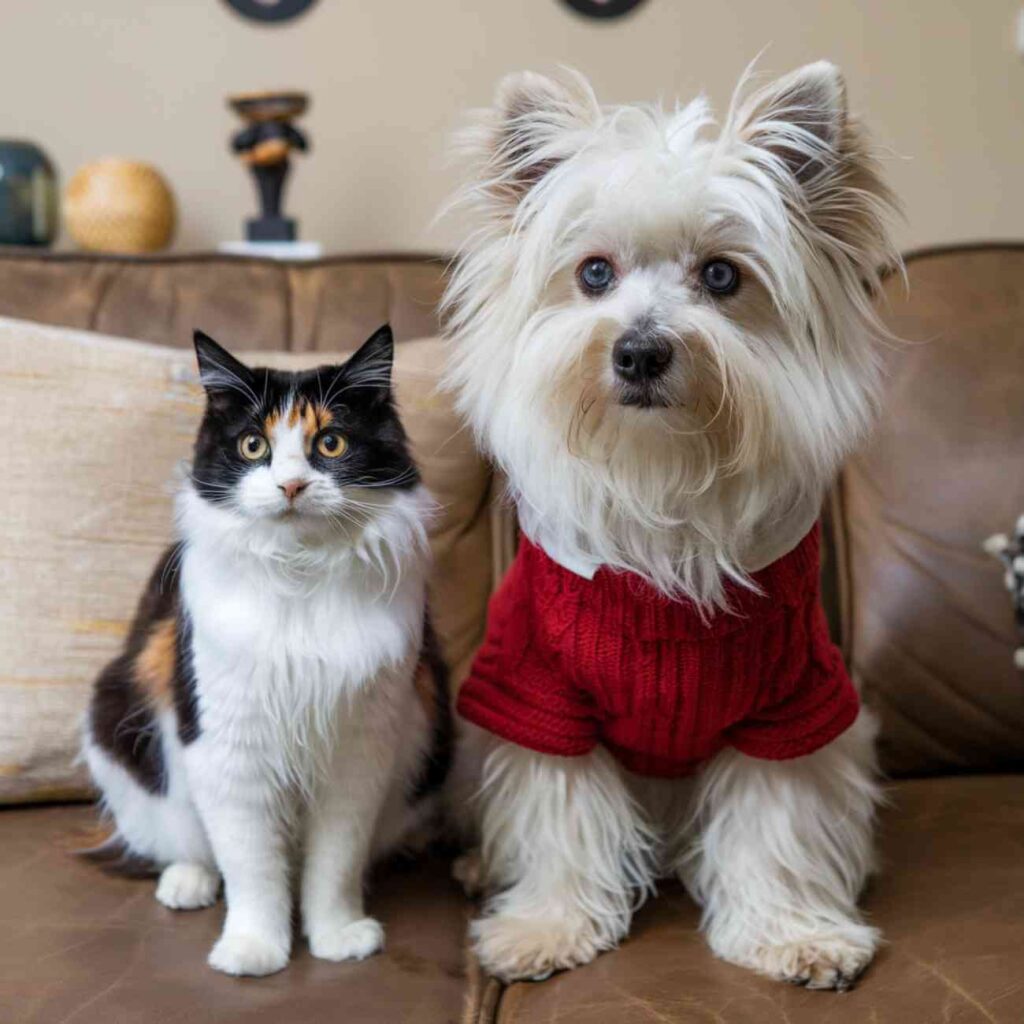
x=939 y=80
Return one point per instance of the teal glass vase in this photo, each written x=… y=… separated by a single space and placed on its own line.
x=28 y=195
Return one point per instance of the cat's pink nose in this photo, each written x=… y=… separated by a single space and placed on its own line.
x=293 y=488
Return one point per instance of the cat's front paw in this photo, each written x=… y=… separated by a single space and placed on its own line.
x=355 y=940
x=246 y=953
x=514 y=948
x=829 y=961
x=185 y=886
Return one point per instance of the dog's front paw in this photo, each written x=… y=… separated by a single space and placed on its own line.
x=355 y=940
x=828 y=961
x=185 y=886
x=245 y=953
x=513 y=948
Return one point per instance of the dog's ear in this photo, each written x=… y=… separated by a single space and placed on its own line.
x=799 y=120
x=799 y=132
x=536 y=123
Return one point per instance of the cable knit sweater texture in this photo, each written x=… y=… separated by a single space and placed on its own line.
x=569 y=663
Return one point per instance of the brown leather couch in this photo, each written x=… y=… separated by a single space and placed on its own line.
x=923 y=618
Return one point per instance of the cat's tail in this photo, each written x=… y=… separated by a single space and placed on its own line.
x=114 y=856
x=154 y=825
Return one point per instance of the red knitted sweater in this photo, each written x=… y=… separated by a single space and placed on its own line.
x=568 y=663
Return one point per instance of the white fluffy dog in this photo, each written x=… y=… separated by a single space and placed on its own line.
x=664 y=336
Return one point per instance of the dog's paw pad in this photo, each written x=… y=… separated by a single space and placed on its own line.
x=829 y=962
x=185 y=886
x=241 y=953
x=525 y=948
x=353 y=941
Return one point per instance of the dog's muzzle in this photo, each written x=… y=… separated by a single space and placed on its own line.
x=639 y=359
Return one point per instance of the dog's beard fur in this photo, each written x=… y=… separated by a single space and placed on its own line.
x=768 y=389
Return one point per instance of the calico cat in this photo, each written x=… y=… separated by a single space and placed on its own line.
x=281 y=689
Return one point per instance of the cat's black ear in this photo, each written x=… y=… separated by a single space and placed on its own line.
x=219 y=370
x=371 y=365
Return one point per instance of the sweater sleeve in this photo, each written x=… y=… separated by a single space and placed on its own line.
x=808 y=706
x=516 y=688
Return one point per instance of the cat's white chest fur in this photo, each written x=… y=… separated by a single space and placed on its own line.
x=277 y=630
x=288 y=644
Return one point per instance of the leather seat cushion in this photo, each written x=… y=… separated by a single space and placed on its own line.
x=949 y=899
x=82 y=946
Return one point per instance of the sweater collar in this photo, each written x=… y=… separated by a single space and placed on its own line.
x=569 y=556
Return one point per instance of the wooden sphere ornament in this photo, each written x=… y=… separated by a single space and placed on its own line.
x=119 y=206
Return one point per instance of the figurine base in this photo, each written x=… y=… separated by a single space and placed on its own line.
x=274 y=250
x=270 y=229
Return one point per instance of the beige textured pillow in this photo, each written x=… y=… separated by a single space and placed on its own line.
x=95 y=428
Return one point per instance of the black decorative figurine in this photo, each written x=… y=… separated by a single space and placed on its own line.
x=265 y=144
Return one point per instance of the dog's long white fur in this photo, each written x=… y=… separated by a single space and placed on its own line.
x=766 y=394
x=781 y=854
x=781 y=404
x=588 y=861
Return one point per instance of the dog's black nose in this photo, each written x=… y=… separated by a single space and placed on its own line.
x=639 y=357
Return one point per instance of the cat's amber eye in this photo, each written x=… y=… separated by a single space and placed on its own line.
x=253 y=446
x=330 y=444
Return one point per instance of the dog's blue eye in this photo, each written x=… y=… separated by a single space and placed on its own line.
x=596 y=275
x=721 y=277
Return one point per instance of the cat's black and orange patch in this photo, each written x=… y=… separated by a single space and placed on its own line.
x=122 y=716
x=155 y=662
x=151 y=675
x=312 y=415
x=186 y=697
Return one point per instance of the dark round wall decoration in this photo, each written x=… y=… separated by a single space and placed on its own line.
x=603 y=8
x=271 y=10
